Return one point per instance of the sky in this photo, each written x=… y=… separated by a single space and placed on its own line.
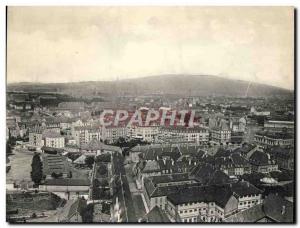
x=69 y=44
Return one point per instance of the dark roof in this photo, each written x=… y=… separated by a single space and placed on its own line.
x=259 y=158
x=203 y=172
x=67 y=182
x=156 y=191
x=156 y=215
x=245 y=148
x=219 y=178
x=275 y=135
x=243 y=188
x=251 y=215
x=278 y=208
x=218 y=194
x=170 y=178
x=274 y=207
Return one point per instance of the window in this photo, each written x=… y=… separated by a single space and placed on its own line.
x=191 y=211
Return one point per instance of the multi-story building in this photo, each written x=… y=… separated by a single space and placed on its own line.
x=85 y=134
x=36 y=137
x=276 y=125
x=266 y=138
x=113 y=133
x=220 y=135
x=156 y=188
x=202 y=204
x=188 y=134
x=261 y=162
x=247 y=194
x=54 y=141
x=145 y=133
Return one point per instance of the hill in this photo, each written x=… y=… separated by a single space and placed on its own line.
x=183 y=85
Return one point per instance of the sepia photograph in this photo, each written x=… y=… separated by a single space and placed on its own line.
x=150 y=114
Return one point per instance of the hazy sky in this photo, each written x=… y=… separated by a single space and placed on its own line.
x=62 y=44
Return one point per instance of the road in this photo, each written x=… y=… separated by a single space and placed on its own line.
x=122 y=190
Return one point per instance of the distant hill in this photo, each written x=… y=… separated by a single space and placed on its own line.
x=185 y=85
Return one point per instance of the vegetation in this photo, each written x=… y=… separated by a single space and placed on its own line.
x=89 y=161
x=56 y=175
x=36 y=169
x=87 y=213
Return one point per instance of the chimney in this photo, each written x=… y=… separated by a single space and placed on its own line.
x=190 y=161
x=283 y=210
x=172 y=162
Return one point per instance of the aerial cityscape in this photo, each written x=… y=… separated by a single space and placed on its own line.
x=131 y=145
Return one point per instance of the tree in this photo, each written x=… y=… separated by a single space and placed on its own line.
x=36 y=169
x=8 y=148
x=89 y=161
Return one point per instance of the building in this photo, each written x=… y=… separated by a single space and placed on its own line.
x=261 y=162
x=189 y=134
x=113 y=133
x=202 y=204
x=85 y=134
x=156 y=188
x=274 y=209
x=247 y=194
x=67 y=188
x=284 y=157
x=220 y=135
x=279 y=126
x=266 y=139
x=145 y=133
x=54 y=140
x=234 y=165
x=36 y=137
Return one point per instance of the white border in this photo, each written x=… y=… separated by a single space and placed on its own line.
x=3 y=4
